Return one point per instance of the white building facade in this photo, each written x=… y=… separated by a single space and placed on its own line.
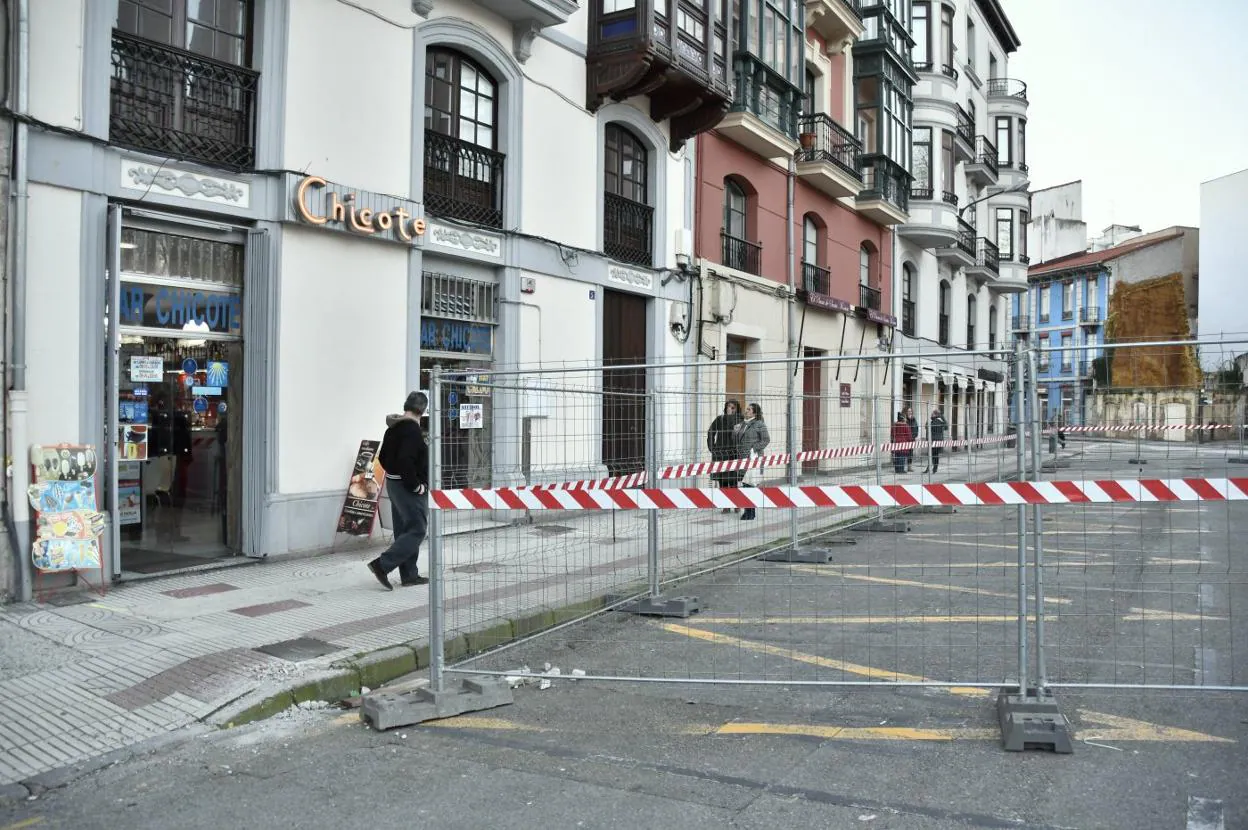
x=1057 y=228
x=255 y=248
x=1223 y=229
x=964 y=249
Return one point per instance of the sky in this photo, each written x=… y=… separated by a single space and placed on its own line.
x=1141 y=99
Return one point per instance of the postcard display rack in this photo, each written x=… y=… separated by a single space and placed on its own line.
x=64 y=499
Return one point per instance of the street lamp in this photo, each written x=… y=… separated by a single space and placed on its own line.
x=1017 y=188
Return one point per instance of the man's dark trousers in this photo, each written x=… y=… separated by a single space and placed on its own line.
x=409 y=514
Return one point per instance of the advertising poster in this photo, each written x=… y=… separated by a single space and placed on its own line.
x=129 y=504
x=132 y=442
x=471 y=416
x=145 y=369
x=363 y=492
x=68 y=524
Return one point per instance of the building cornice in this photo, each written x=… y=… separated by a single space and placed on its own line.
x=994 y=14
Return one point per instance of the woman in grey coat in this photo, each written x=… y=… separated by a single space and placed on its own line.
x=752 y=439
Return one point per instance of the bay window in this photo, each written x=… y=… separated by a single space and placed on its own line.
x=922 y=183
x=1005 y=158
x=1005 y=232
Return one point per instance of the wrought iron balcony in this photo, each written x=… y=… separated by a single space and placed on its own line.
x=970 y=336
x=921 y=194
x=741 y=254
x=1043 y=364
x=966 y=126
x=907 y=318
x=949 y=71
x=627 y=230
x=943 y=333
x=833 y=143
x=1021 y=322
x=885 y=181
x=816 y=280
x=463 y=180
x=869 y=297
x=1068 y=314
x=175 y=103
x=1090 y=315
x=986 y=154
x=966 y=237
x=1007 y=88
x=987 y=255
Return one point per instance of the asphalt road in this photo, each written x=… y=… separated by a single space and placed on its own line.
x=1144 y=594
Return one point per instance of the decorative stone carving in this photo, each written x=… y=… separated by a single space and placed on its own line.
x=524 y=33
x=422 y=7
x=465 y=240
x=188 y=184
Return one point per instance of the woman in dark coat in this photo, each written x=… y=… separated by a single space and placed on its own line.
x=721 y=440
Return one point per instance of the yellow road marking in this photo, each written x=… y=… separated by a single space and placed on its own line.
x=1047 y=551
x=469 y=722
x=1149 y=614
x=957 y=589
x=1097 y=726
x=811 y=659
x=30 y=822
x=832 y=619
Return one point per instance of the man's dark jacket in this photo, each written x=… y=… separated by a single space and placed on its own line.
x=404 y=454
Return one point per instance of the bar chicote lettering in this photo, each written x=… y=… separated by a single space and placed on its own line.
x=342 y=209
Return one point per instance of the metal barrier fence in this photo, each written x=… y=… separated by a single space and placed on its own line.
x=1043 y=530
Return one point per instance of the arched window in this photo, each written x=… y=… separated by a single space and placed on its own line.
x=993 y=312
x=734 y=209
x=738 y=251
x=970 y=321
x=461 y=99
x=628 y=218
x=944 y=312
x=463 y=171
x=864 y=265
x=810 y=241
x=868 y=293
x=907 y=300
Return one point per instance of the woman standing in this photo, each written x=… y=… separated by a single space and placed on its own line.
x=752 y=439
x=721 y=440
x=900 y=435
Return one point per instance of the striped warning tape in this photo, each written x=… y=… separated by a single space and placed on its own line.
x=887 y=495
x=1142 y=427
x=699 y=468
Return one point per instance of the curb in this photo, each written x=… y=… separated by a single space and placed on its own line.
x=345 y=678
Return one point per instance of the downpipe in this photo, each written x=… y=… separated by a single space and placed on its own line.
x=791 y=369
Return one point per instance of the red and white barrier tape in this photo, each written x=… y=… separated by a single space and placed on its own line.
x=1141 y=427
x=774 y=460
x=887 y=495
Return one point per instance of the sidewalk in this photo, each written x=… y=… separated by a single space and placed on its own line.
x=93 y=675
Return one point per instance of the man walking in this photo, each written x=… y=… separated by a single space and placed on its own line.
x=936 y=432
x=404 y=456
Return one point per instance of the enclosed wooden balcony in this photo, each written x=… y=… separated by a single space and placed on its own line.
x=674 y=51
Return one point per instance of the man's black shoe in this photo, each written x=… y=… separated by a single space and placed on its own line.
x=416 y=580
x=375 y=567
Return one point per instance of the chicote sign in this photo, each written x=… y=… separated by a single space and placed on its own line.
x=316 y=201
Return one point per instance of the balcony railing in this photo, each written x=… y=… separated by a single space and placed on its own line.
x=921 y=194
x=966 y=126
x=176 y=103
x=986 y=153
x=1044 y=317
x=1020 y=322
x=1090 y=315
x=966 y=237
x=816 y=280
x=627 y=230
x=1068 y=314
x=949 y=71
x=463 y=180
x=907 y=318
x=1068 y=366
x=741 y=254
x=1007 y=88
x=869 y=297
x=763 y=92
x=833 y=143
x=884 y=178
x=949 y=197
x=987 y=255
x=943 y=334
x=1024 y=259
x=970 y=337
x=1043 y=365
x=992 y=341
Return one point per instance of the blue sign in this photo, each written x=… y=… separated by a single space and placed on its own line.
x=133 y=412
x=139 y=391
x=455 y=336
x=210 y=391
x=201 y=405
x=221 y=407
x=452 y=397
x=218 y=373
x=188 y=381
x=161 y=307
x=189 y=366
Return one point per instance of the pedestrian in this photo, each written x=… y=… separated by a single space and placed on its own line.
x=404 y=456
x=936 y=427
x=722 y=443
x=900 y=435
x=1059 y=420
x=752 y=439
x=913 y=423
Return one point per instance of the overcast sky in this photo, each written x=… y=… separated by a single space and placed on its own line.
x=1141 y=99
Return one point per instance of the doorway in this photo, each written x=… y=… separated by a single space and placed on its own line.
x=624 y=391
x=467 y=441
x=812 y=405
x=734 y=370
x=179 y=450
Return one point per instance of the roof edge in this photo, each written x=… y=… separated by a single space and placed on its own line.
x=1000 y=24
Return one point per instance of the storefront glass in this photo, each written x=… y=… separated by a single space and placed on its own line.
x=179 y=399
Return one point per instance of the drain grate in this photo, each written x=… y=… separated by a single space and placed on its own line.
x=552 y=530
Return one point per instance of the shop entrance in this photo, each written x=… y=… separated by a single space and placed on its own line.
x=177 y=394
x=624 y=390
x=467 y=459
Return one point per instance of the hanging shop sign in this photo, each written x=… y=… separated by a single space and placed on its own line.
x=179 y=309
x=316 y=201
x=456 y=336
x=816 y=300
